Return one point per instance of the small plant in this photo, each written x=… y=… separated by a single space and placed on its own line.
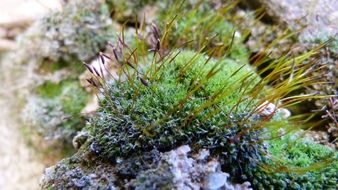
x=171 y=97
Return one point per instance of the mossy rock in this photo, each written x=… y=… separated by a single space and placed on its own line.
x=55 y=109
x=80 y=30
x=71 y=96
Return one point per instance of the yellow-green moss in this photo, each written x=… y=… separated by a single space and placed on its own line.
x=297 y=164
x=71 y=96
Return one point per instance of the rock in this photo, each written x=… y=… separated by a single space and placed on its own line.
x=318 y=17
x=216 y=181
x=17 y=15
x=6 y=45
x=268 y=109
x=320 y=137
x=79 y=139
x=176 y=169
x=55 y=37
x=197 y=171
x=127 y=10
x=148 y=13
x=72 y=173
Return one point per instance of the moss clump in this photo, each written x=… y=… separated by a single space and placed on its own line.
x=68 y=93
x=70 y=66
x=302 y=157
x=173 y=110
x=52 y=105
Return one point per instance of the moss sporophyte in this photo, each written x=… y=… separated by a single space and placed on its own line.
x=169 y=97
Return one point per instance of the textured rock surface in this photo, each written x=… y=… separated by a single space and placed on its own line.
x=73 y=173
x=54 y=38
x=82 y=34
x=176 y=169
x=318 y=16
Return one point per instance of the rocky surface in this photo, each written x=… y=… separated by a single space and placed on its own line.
x=318 y=17
x=20 y=167
x=176 y=169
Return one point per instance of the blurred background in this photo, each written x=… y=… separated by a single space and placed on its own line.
x=20 y=167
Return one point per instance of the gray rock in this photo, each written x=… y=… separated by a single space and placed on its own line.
x=176 y=169
x=319 y=18
x=216 y=180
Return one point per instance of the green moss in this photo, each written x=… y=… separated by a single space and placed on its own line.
x=297 y=166
x=73 y=98
x=49 y=90
x=301 y=153
x=69 y=93
x=135 y=118
x=69 y=98
x=203 y=24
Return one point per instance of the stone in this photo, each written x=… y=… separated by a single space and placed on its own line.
x=319 y=18
x=216 y=181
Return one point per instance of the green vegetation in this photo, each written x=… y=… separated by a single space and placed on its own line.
x=183 y=104
x=54 y=104
x=201 y=24
x=171 y=98
x=185 y=98
x=71 y=96
x=297 y=164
